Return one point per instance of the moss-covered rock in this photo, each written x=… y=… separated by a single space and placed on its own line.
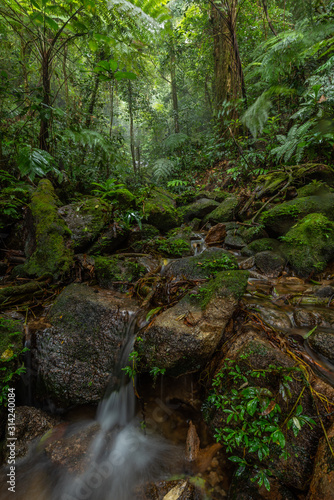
x=321 y=487
x=323 y=343
x=197 y=209
x=233 y=240
x=109 y=241
x=281 y=218
x=204 y=265
x=160 y=210
x=261 y=245
x=51 y=252
x=86 y=219
x=173 y=247
x=251 y=233
x=79 y=353
x=11 y=345
x=118 y=271
x=225 y=212
x=269 y=263
x=216 y=195
x=315 y=188
x=309 y=245
x=225 y=284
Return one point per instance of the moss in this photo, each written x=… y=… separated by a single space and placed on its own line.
x=51 y=254
x=11 y=344
x=313 y=189
x=110 y=270
x=252 y=233
x=309 y=245
x=282 y=217
x=224 y=212
x=173 y=247
x=197 y=209
x=160 y=210
x=261 y=245
x=225 y=284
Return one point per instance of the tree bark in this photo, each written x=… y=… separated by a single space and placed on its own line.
x=132 y=138
x=44 y=131
x=92 y=102
x=174 y=90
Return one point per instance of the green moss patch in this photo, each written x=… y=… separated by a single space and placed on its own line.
x=261 y=245
x=225 y=284
x=51 y=254
x=225 y=212
x=117 y=272
x=160 y=210
x=309 y=245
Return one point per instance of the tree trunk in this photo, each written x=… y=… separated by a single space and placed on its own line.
x=111 y=97
x=132 y=138
x=92 y=103
x=44 y=131
x=174 y=90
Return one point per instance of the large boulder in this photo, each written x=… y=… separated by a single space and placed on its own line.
x=309 y=245
x=86 y=219
x=76 y=356
x=183 y=338
x=282 y=217
x=159 y=209
x=261 y=245
x=198 y=209
x=225 y=212
x=269 y=263
x=200 y=266
x=321 y=487
x=51 y=253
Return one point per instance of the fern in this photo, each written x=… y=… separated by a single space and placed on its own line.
x=294 y=143
x=174 y=141
x=87 y=138
x=162 y=169
x=34 y=162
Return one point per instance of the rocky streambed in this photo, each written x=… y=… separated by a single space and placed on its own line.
x=142 y=346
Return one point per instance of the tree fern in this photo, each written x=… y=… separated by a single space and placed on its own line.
x=162 y=169
x=294 y=143
x=174 y=141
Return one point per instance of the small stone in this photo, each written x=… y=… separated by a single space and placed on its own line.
x=248 y=263
x=270 y=263
x=325 y=291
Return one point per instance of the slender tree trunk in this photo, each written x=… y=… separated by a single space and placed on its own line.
x=25 y=72
x=174 y=90
x=44 y=131
x=132 y=138
x=111 y=98
x=207 y=95
x=67 y=99
x=92 y=102
x=265 y=8
x=138 y=157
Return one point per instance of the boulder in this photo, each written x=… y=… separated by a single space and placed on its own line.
x=51 y=253
x=198 y=209
x=160 y=211
x=321 y=487
x=76 y=356
x=85 y=219
x=233 y=240
x=261 y=245
x=109 y=241
x=183 y=338
x=225 y=212
x=201 y=266
x=315 y=188
x=309 y=245
x=280 y=219
x=323 y=343
x=269 y=263
x=251 y=233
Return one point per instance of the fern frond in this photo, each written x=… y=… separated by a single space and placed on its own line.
x=162 y=169
x=294 y=143
x=174 y=141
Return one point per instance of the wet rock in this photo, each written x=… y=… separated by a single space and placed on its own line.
x=217 y=195
x=85 y=219
x=183 y=338
x=118 y=272
x=249 y=234
x=51 y=254
x=325 y=291
x=309 y=245
x=269 y=263
x=321 y=487
x=216 y=235
x=323 y=343
x=29 y=424
x=248 y=263
x=274 y=316
x=201 y=266
x=225 y=212
x=160 y=210
x=232 y=240
x=109 y=241
x=280 y=219
x=304 y=318
x=261 y=245
x=77 y=355
x=198 y=209
x=181 y=489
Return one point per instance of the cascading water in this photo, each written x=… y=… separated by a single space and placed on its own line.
x=119 y=459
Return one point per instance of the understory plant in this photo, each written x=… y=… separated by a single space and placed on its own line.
x=254 y=429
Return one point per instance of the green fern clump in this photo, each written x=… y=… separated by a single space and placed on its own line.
x=162 y=169
x=294 y=143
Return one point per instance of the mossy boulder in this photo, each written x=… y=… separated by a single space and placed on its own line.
x=79 y=353
x=309 y=245
x=86 y=219
x=251 y=233
x=315 y=188
x=118 y=271
x=216 y=195
x=321 y=487
x=323 y=343
x=269 y=263
x=197 y=209
x=11 y=345
x=281 y=218
x=51 y=254
x=204 y=265
x=253 y=354
x=109 y=241
x=160 y=210
x=173 y=247
x=234 y=240
x=261 y=245
x=226 y=211
x=183 y=338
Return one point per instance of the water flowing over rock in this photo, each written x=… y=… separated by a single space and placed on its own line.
x=76 y=356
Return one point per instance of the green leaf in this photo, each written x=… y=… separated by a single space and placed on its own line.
x=296 y=423
x=125 y=75
x=51 y=23
x=252 y=406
